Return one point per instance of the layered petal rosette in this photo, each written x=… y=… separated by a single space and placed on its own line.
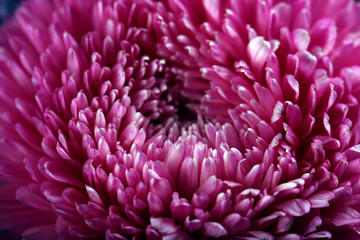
x=179 y=119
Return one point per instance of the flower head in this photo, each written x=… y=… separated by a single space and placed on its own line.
x=180 y=119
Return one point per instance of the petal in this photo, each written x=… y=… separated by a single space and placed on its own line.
x=258 y=51
x=214 y=229
x=307 y=63
x=175 y=157
x=156 y=207
x=301 y=39
x=161 y=187
x=93 y=195
x=295 y=207
x=58 y=172
x=179 y=235
x=40 y=232
x=212 y=9
x=188 y=180
x=208 y=169
x=29 y=198
x=234 y=223
x=180 y=209
x=164 y=226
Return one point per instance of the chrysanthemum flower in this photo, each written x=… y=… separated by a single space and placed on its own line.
x=180 y=119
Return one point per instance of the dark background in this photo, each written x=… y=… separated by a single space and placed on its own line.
x=7 y=7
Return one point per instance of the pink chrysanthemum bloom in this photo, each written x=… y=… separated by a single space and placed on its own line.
x=180 y=119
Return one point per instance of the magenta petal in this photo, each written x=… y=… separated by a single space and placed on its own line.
x=151 y=233
x=60 y=173
x=72 y=195
x=294 y=116
x=231 y=160
x=174 y=157
x=45 y=231
x=212 y=186
x=266 y=221
x=125 y=196
x=161 y=187
x=235 y=224
x=348 y=215
x=29 y=218
x=324 y=34
x=255 y=175
x=317 y=235
x=222 y=205
x=113 y=236
x=91 y=210
x=212 y=9
x=301 y=39
x=291 y=87
x=353 y=152
x=262 y=235
x=34 y=172
x=181 y=235
x=188 y=179
x=192 y=225
x=214 y=229
x=28 y=135
x=132 y=177
x=156 y=207
x=200 y=201
x=112 y=186
x=180 y=209
x=82 y=231
x=291 y=236
x=76 y=60
x=93 y=195
x=295 y=207
x=29 y=198
x=51 y=191
x=258 y=51
x=164 y=226
x=208 y=169
x=285 y=223
x=307 y=63
x=277 y=113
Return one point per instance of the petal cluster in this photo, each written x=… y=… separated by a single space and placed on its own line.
x=179 y=119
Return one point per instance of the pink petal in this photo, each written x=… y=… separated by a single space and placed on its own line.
x=179 y=235
x=175 y=157
x=235 y=224
x=318 y=235
x=258 y=51
x=295 y=207
x=192 y=225
x=301 y=39
x=164 y=226
x=307 y=63
x=30 y=198
x=188 y=179
x=38 y=232
x=208 y=169
x=214 y=229
x=212 y=9
x=180 y=209
x=93 y=195
x=58 y=172
x=156 y=207
x=161 y=187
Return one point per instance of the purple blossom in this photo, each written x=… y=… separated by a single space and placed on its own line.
x=180 y=119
